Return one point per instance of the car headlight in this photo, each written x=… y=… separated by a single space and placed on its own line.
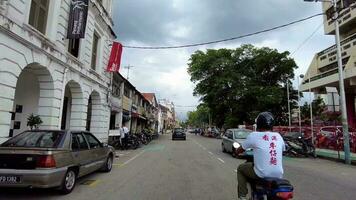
x=236 y=145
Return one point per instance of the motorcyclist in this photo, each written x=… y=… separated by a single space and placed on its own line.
x=268 y=147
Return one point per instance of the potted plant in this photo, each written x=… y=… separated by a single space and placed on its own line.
x=33 y=121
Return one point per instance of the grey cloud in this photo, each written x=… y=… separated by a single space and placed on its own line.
x=147 y=20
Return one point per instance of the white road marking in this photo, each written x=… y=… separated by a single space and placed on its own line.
x=133 y=158
x=211 y=153
x=221 y=160
x=235 y=170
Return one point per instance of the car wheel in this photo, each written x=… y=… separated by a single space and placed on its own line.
x=223 y=148
x=68 y=182
x=233 y=152
x=108 y=165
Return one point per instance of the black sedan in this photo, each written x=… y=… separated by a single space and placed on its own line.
x=178 y=133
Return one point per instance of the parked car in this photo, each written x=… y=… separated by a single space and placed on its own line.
x=232 y=139
x=178 y=133
x=52 y=159
x=191 y=130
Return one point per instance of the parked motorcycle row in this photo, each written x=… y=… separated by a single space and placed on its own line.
x=299 y=145
x=326 y=137
x=134 y=141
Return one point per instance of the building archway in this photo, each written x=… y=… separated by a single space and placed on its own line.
x=34 y=94
x=94 y=113
x=74 y=107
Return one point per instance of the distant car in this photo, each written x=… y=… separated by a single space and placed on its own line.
x=52 y=158
x=232 y=139
x=191 y=130
x=178 y=133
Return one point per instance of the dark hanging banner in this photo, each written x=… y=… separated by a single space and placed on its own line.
x=77 y=19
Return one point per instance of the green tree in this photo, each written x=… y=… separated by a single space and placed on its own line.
x=318 y=109
x=198 y=117
x=237 y=84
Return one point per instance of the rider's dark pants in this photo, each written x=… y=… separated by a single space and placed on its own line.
x=245 y=172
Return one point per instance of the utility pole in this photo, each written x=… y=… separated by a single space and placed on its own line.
x=128 y=67
x=345 y=125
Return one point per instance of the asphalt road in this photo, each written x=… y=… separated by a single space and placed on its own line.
x=194 y=169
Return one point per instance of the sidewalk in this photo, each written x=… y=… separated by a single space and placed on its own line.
x=331 y=154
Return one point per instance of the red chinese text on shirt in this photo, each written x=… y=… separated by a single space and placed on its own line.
x=265 y=138
x=273 y=154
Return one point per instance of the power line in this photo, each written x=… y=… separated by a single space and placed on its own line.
x=224 y=40
x=306 y=40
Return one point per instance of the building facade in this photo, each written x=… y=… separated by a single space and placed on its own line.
x=153 y=111
x=322 y=74
x=167 y=110
x=130 y=108
x=63 y=81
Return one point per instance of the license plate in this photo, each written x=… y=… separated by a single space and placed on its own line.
x=10 y=179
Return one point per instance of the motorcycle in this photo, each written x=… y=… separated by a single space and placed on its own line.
x=299 y=145
x=148 y=135
x=132 y=141
x=142 y=138
x=268 y=188
x=272 y=189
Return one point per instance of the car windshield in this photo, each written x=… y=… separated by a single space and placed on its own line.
x=178 y=130
x=241 y=134
x=40 y=139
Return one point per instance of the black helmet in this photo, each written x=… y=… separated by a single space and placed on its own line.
x=265 y=121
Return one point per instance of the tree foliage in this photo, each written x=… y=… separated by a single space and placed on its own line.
x=199 y=117
x=318 y=107
x=237 y=84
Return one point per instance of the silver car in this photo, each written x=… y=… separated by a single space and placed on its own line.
x=51 y=158
x=232 y=139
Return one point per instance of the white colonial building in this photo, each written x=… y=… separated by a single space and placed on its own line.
x=41 y=72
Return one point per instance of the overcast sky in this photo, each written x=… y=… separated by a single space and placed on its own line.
x=176 y=22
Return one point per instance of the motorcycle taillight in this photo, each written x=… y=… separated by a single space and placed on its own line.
x=285 y=195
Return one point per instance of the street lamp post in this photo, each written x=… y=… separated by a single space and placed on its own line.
x=345 y=125
x=311 y=111
x=289 y=117
x=299 y=111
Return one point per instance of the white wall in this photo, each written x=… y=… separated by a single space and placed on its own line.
x=21 y=46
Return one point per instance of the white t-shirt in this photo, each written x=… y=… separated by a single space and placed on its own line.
x=125 y=129
x=268 y=150
x=122 y=134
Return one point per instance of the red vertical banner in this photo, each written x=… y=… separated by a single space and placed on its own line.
x=115 y=58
